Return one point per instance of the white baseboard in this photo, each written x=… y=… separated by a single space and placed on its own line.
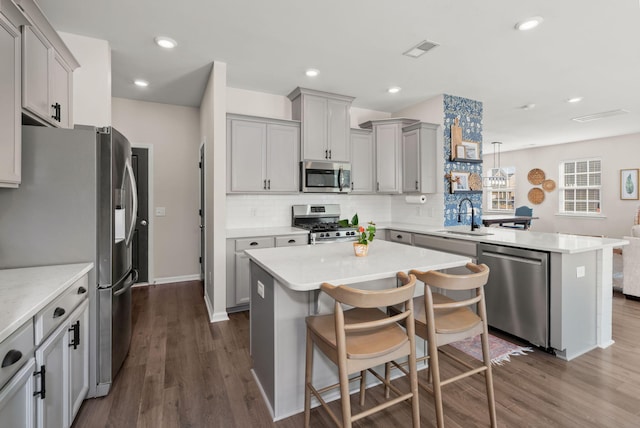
x=172 y=279
x=214 y=317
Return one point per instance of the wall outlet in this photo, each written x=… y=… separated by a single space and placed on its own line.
x=160 y=211
x=260 y=289
x=580 y=272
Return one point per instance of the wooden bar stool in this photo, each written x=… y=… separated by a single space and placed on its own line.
x=441 y=320
x=358 y=339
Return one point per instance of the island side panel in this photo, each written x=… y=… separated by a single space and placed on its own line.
x=573 y=303
x=604 y=306
x=262 y=331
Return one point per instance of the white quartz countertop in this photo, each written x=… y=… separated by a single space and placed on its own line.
x=544 y=241
x=264 y=231
x=25 y=291
x=304 y=268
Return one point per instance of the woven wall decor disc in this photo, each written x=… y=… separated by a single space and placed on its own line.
x=536 y=176
x=536 y=196
x=549 y=185
x=475 y=182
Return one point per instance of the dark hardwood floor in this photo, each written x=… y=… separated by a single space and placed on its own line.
x=184 y=372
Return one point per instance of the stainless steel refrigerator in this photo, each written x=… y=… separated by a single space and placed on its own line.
x=77 y=202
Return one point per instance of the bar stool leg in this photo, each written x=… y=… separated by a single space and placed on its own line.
x=308 y=374
x=363 y=385
x=488 y=376
x=435 y=376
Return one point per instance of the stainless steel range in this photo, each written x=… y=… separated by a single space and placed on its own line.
x=322 y=223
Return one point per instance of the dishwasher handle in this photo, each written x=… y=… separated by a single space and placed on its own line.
x=532 y=261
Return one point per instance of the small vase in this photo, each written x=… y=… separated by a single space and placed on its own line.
x=361 y=250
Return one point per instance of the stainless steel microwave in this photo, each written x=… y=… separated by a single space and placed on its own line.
x=325 y=177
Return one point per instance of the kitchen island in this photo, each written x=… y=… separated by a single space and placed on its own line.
x=579 y=277
x=285 y=286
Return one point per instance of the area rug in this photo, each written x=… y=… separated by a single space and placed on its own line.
x=499 y=349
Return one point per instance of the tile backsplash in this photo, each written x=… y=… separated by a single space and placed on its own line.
x=244 y=211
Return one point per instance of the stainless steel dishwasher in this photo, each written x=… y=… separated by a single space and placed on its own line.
x=517 y=293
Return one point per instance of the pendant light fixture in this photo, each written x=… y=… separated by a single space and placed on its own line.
x=496 y=177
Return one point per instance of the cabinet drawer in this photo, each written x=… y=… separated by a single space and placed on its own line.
x=253 y=243
x=15 y=351
x=57 y=311
x=291 y=240
x=402 y=237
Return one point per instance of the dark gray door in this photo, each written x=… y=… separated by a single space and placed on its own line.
x=202 y=211
x=140 y=244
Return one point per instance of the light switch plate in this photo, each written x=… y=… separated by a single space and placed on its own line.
x=580 y=272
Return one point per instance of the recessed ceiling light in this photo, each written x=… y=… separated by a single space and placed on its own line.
x=574 y=100
x=165 y=42
x=393 y=90
x=529 y=23
x=141 y=83
x=312 y=72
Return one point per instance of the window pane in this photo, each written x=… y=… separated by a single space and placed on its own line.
x=581 y=166
x=594 y=207
x=594 y=166
x=581 y=206
x=594 y=179
x=581 y=194
x=569 y=168
x=581 y=180
x=570 y=180
x=568 y=206
x=569 y=194
x=594 y=194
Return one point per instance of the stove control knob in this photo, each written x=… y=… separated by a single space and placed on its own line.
x=337 y=233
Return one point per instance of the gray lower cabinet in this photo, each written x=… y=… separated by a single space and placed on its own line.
x=17 y=404
x=47 y=391
x=238 y=274
x=362 y=161
x=401 y=237
x=52 y=406
x=262 y=155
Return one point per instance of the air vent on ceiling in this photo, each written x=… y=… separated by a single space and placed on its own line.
x=420 y=49
x=596 y=116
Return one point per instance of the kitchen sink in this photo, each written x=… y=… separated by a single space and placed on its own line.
x=467 y=232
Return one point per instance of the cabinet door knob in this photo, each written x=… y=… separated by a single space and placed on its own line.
x=416 y=184
x=399 y=236
x=264 y=185
x=82 y=290
x=326 y=154
x=329 y=153
x=269 y=184
x=254 y=243
x=58 y=312
x=12 y=357
x=291 y=241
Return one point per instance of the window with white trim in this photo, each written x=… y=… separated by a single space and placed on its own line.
x=500 y=188
x=580 y=186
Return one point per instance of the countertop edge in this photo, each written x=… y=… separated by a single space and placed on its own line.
x=83 y=268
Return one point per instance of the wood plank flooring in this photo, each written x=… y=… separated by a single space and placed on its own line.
x=184 y=372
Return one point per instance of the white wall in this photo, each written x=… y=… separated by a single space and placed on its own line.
x=213 y=133
x=616 y=153
x=91 y=81
x=174 y=133
x=241 y=101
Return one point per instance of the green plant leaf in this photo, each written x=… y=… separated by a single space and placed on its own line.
x=343 y=223
x=629 y=185
x=354 y=220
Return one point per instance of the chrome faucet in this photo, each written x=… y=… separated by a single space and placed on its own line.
x=473 y=224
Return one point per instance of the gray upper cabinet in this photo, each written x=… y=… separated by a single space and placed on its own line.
x=419 y=158
x=362 y=161
x=10 y=132
x=387 y=134
x=46 y=80
x=325 y=119
x=262 y=155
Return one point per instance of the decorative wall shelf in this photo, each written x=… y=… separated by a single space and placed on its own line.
x=467 y=160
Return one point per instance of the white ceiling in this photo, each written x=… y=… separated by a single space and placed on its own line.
x=588 y=48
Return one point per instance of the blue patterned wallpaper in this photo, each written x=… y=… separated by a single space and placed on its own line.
x=469 y=113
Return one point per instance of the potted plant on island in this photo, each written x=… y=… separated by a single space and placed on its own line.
x=365 y=235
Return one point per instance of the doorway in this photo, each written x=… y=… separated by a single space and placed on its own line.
x=201 y=211
x=140 y=241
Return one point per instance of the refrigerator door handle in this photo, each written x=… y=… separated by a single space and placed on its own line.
x=134 y=196
x=127 y=285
